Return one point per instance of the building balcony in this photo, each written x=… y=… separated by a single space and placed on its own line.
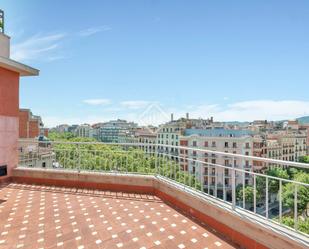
x=87 y=197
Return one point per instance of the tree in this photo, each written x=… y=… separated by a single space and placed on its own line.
x=304 y=159
x=273 y=184
x=103 y=157
x=249 y=193
x=61 y=136
x=302 y=194
x=303 y=224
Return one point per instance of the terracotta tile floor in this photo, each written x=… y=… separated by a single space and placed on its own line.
x=33 y=216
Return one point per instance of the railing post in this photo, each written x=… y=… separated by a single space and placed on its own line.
x=295 y=208
x=280 y=201
x=254 y=193
x=233 y=186
x=267 y=211
x=78 y=152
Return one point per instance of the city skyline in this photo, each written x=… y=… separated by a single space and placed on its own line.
x=106 y=61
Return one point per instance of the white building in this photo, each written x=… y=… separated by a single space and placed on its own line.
x=84 y=130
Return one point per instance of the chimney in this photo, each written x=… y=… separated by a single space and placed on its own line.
x=4 y=39
x=187 y=115
x=172 y=116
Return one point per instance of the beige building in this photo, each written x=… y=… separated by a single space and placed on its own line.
x=206 y=166
x=286 y=145
x=147 y=138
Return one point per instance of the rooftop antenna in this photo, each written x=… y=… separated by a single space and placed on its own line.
x=1 y=21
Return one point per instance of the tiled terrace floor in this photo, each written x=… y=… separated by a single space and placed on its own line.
x=33 y=216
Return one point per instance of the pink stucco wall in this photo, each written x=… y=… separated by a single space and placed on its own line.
x=8 y=142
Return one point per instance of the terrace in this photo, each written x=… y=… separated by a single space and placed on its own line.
x=95 y=195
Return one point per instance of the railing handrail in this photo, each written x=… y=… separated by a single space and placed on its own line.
x=198 y=149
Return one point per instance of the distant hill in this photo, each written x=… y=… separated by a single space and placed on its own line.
x=303 y=120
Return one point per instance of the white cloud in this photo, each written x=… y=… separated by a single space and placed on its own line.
x=135 y=104
x=37 y=47
x=97 y=101
x=252 y=110
x=94 y=30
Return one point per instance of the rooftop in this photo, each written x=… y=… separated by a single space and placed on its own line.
x=96 y=195
x=38 y=216
x=218 y=132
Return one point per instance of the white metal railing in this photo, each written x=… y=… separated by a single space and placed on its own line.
x=236 y=179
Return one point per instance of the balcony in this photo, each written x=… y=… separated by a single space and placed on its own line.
x=94 y=195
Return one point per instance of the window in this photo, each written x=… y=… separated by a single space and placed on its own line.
x=247 y=146
x=213 y=144
x=206 y=144
x=206 y=171
x=234 y=145
x=226 y=144
x=226 y=162
x=213 y=180
x=226 y=172
x=194 y=144
x=213 y=161
x=213 y=171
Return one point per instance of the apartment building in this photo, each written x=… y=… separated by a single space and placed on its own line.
x=147 y=138
x=30 y=126
x=170 y=132
x=117 y=131
x=286 y=145
x=84 y=130
x=305 y=129
x=230 y=141
x=10 y=73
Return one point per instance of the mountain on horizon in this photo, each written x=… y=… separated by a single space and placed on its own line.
x=303 y=120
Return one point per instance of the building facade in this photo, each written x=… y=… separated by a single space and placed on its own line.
x=30 y=126
x=84 y=130
x=10 y=73
x=202 y=164
x=117 y=131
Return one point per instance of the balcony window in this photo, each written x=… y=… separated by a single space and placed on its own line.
x=226 y=172
x=226 y=144
x=213 y=171
x=213 y=180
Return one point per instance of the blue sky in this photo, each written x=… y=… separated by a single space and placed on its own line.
x=100 y=60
